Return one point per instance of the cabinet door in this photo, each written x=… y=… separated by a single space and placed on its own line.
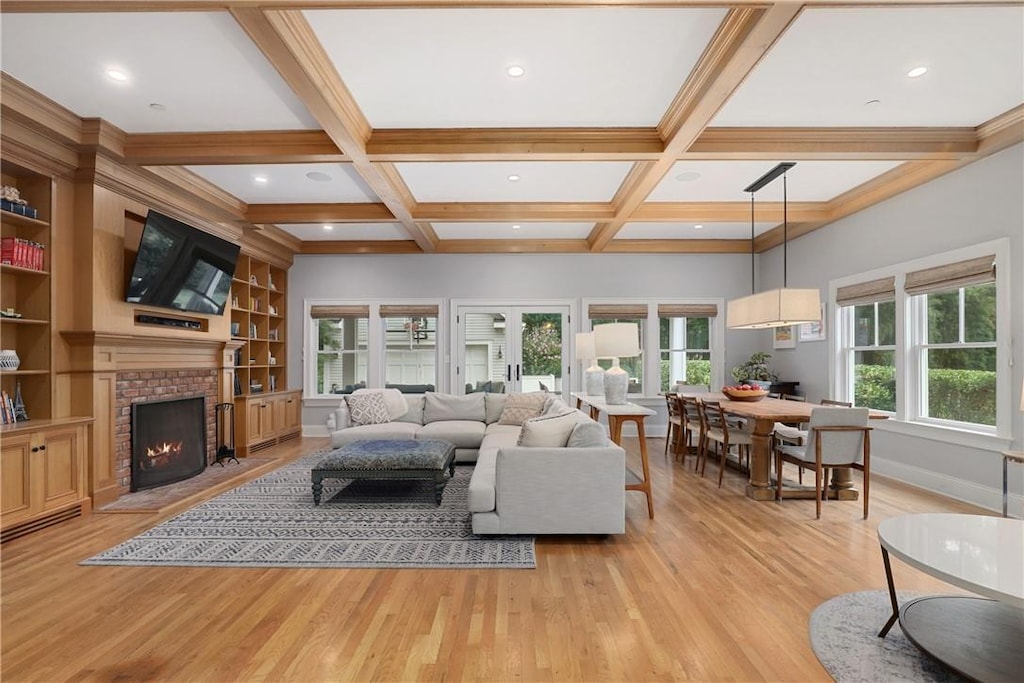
x=254 y=409
x=277 y=413
x=292 y=414
x=16 y=477
x=62 y=460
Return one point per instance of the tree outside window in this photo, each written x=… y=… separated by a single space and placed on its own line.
x=685 y=346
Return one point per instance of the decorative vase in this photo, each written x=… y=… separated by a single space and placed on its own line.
x=9 y=359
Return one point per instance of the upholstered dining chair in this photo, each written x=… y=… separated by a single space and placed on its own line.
x=694 y=424
x=832 y=402
x=837 y=437
x=675 y=423
x=719 y=430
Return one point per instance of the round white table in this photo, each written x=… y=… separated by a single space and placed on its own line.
x=979 y=637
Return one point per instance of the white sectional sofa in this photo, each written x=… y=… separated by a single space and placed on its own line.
x=571 y=482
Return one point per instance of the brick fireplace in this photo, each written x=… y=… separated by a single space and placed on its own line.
x=153 y=385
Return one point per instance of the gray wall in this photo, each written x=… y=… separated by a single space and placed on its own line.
x=980 y=202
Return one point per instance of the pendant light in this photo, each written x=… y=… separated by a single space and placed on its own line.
x=777 y=307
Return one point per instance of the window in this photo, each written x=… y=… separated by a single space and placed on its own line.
x=372 y=345
x=601 y=314
x=926 y=342
x=684 y=339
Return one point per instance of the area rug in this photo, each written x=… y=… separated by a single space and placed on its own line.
x=844 y=636
x=272 y=522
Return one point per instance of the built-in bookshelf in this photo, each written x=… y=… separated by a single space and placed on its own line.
x=258 y=318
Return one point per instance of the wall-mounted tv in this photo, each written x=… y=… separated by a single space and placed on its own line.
x=181 y=267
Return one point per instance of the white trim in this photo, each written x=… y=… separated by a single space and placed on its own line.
x=958 y=489
x=321 y=430
x=959 y=437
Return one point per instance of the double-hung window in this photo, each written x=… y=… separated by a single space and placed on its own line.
x=684 y=338
x=867 y=313
x=601 y=314
x=341 y=337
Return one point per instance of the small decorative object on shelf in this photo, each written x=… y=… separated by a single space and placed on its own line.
x=234 y=302
x=272 y=335
x=20 y=412
x=273 y=383
x=272 y=309
x=9 y=313
x=253 y=280
x=10 y=200
x=235 y=328
x=270 y=283
x=272 y=361
x=9 y=359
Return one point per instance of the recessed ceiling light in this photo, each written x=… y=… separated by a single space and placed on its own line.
x=512 y=178
x=156 y=106
x=687 y=176
x=698 y=227
x=917 y=71
x=318 y=177
x=871 y=103
x=515 y=227
x=515 y=71
x=328 y=227
x=260 y=179
x=117 y=75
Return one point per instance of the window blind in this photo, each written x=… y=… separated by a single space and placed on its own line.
x=687 y=310
x=613 y=311
x=973 y=271
x=339 y=312
x=410 y=311
x=882 y=289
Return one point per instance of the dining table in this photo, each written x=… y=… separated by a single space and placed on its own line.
x=765 y=413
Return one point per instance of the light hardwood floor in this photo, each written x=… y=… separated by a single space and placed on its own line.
x=716 y=587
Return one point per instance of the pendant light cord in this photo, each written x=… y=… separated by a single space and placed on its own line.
x=752 y=291
x=785 y=233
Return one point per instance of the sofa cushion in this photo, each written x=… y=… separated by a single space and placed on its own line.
x=390 y=430
x=367 y=409
x=493 y=405
x=586 y=434
x=461 y=433
x=521 y=407
x=438 y=407
x=481 y=485
x=414 y=414
x=554 y=405
x=551 y=431
x=393 y=400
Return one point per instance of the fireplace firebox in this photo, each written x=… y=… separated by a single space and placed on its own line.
x=168 y=441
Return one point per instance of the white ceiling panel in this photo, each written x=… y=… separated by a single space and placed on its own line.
x=539 y=181
x=723 y=181
x=289 y=183
x=199 y=66
x=505 y=231
x=831 y=62
x=310 y=232
x=690 y=231
x=596 y=66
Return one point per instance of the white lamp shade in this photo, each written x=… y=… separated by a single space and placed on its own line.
x=585 y=349
x=617 y=340
x=774 y=308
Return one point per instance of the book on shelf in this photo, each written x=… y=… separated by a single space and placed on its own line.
x=252 y=330
x=15 y=251
x=238 y=385
x=236 y=328
x=272 y=335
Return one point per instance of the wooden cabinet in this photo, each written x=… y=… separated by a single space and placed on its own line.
x=267 y=420
x=258 y=319
x=43 y=465
x=26 y=291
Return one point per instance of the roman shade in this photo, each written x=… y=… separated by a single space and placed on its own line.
x=882 y=289
x=339 y=312
x=410 y=311
x=687 y=310
x=973 y=271
x=615 y=311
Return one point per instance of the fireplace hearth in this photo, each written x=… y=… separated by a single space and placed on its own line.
x=168 y=441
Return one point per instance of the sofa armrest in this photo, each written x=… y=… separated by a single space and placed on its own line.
x=561 y=490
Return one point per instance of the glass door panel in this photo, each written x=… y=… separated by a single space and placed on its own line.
x=483 y=363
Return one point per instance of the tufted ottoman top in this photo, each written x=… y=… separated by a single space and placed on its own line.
x=389 y=454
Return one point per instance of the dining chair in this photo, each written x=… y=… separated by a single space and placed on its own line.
x=719 y=430
x=831 y=402
x=694 y=424
x=675 y=422
x=837 y=437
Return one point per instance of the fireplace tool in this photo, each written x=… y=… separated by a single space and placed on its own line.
x=225 y=433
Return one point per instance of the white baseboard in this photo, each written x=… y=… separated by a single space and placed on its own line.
x=951 y=487
x=315 y=430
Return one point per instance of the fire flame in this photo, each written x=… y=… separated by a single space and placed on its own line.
x=166 y=448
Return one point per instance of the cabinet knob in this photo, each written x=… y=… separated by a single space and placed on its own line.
x=35 y=449
x=43 y=447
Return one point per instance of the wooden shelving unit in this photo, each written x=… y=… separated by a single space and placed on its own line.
x=28 y=292
x=265 y=412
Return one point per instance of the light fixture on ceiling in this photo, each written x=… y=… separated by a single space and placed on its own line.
x=515 y=71
x=513 y=178
x=328 y=228
x=117 y=75
x=917 y=71
x=515 y=227
x=156 y=106
x=698 y=227
x=777 y=307
x=687 y=176
x=260 y=179
x=318 y=176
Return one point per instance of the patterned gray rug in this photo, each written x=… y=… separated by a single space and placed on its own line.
x=272 y=522
x=844 y=636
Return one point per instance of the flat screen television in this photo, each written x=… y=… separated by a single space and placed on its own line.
x=181 y=267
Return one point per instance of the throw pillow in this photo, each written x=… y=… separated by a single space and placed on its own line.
x=367 y=409
x=519 y=408
x=587 y=434
x=439 y=407
x=394 y=401
x=547 y=431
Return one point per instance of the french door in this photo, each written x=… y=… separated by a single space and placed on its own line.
x=510 y=348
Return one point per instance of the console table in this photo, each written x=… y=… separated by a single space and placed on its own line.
x=979 y=637
x=618 y=414
x=1008 y=457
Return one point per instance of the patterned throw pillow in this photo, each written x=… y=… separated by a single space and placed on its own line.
x=367 y=409
x=521 y=407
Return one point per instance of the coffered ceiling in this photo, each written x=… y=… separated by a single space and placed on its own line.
x=360 y=126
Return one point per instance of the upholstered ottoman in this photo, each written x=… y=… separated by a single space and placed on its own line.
x=388 y=459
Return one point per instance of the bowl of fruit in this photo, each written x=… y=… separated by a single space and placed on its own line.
x=744 y=392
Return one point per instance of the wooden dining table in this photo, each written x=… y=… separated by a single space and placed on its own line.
x=765 y=413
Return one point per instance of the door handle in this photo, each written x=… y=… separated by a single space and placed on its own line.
x=508 y=372
x=517 y=372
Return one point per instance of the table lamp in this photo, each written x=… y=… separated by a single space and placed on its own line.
x=593 y=376
x=615 y=341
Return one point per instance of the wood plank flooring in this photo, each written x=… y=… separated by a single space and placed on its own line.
x=716 y=587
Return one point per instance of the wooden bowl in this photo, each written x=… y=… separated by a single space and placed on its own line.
x=748 y=396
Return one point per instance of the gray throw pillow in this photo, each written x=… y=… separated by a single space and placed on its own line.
x=587 y=434
x=547 y=431
x=494 y=404
x=438 y=407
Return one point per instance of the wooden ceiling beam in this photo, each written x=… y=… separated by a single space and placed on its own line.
x=361 y=247
x=319 y=213
x=244 y=147
x=728 y=212
x=743 y=37
x=639 y=246
x=552 y=246
x=290 y=44
x=513 y=212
